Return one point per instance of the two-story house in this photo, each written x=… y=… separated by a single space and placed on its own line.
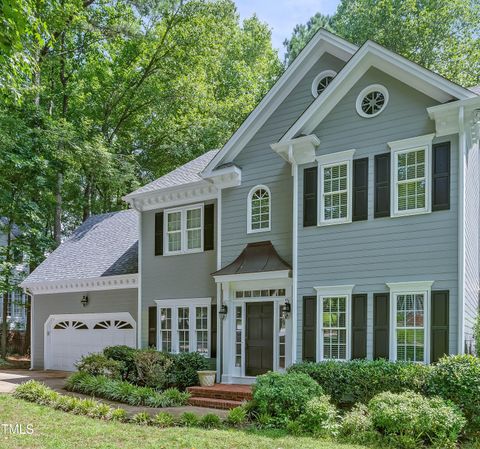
x=340 y=221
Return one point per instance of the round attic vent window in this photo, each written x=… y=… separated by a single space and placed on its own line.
x=372 y=100
x=321 y=81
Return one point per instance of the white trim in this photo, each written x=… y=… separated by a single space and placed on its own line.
x=462 y=164
x=32 y=328
x=183 y=229
x=300 y=150
x=219 y=287
x=322 y=42
x=318 y=78
x=372 y=54
x=332 y=291
x=294 y=312
x=330 y=160
x=404 y=146
x=257 y=276
x=250 y=230
x=191 y=304
x=369 y=89
x=83 y=285
x=401 y=288
x=139 y=291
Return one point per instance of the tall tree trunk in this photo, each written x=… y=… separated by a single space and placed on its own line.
x=57 y=225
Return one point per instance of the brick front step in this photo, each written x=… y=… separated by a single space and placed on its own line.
x=222 y=404
x=221 y=391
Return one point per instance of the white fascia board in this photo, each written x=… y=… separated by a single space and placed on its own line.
x=300 y=150
x=334 y=290
x=226 y=177
x=322 y=42
x=264 y=275
x=373 y=55
x=446 y=115
x=83 y=285
x=183 y=302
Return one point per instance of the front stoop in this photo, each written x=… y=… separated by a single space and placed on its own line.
x=220 y=396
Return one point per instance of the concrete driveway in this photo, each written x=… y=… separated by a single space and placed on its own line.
x=11 y=378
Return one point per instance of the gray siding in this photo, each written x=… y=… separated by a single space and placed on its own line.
x=472 y=187
x=260 y=165
x=172 y=277
x=122 y=300
x=373 y=252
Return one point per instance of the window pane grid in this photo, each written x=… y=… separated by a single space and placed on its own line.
x=334 y=327
x=184 y=230
x=183 y=329
x=238 y=336
x=411 y=180
x=260 y=210
x=281 y=339
x=410 y=327
x=194 y=228
x=166 y=329
x=335 y=192
x=202 y=329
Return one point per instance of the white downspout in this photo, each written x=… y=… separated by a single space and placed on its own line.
x=461 y=229
x=219 y=287
x=139 y=288
x=294 y=253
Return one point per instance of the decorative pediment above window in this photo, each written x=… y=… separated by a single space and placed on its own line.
x=300 y=150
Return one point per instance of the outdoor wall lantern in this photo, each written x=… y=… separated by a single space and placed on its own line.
x=84 y=300
x=223 y=310
x=287 y=308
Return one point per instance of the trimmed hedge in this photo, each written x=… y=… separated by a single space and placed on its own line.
x=122 y=391
x=457 y=379
x=360 y=380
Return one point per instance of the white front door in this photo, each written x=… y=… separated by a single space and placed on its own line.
x=70 y=336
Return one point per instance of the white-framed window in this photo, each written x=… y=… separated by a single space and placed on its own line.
x=321 y=81
x=238 y=335
x=409 y=321
x=334 y=322
x=335 y=196
x=184 y=325
x=183 y=230
x=411 y=178
x=372 y=100
x=259 y=209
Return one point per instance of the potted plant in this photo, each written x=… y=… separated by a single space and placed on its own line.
x=207 y=378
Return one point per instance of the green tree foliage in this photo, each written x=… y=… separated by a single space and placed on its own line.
x=441 y=35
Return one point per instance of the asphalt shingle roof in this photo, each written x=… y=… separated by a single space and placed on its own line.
x=182 y=175
x=104 y=245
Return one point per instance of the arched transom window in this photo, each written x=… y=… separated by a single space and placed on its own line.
x=259 y=209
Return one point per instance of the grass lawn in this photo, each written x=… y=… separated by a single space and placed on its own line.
x=59 y=430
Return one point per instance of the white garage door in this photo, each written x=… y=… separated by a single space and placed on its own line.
x=69 y=337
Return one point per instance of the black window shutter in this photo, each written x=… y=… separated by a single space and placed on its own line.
x=382 y=185
x=359 y=326
x=309 y=333
x=310 y=176
x=159 y=233
x=381 y=325
x=213 y=331
x=360 y=189
x=441 y=176
x=209 y=227
x=152 y=327
x=439 y=327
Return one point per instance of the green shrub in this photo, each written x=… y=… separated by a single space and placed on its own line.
x=188 y=419
x=85 y=407
x=357 y=426
x=141 y=418
x=360 y=380
x=122 y=391
x=32 y=391
x=65 y=403
x=183 y=370
x=320 y=418
x=151 y=368
x=210 y=421
x=284 y=396
x=125 y=355
x=237 y=416
x=99 y=365
x=118 y=414
x=163 y=419
x=415 y=418
x=457 y=378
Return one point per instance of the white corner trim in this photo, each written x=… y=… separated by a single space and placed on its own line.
x=369 y=89
x=462 y=164
x=319 y=77
x=139 y=290
x=263 y=276
x=250 y=230
x=409 y=287
x=411 y=142
x=322 y=42
x=334 y=290
x=332 y=158
x=184 y=302
x=84 y=285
